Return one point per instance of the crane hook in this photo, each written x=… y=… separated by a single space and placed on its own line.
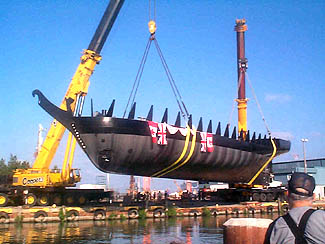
x=152 y=27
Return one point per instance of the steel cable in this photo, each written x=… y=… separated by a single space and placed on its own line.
x=258 y=105
x=138 y=77
x=172 y=84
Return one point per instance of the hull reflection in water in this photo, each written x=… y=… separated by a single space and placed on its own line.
x=145 y=148
x=180 y=230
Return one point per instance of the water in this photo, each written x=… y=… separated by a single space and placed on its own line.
x=185 y=230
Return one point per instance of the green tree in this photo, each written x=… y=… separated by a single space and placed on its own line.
x=13 y=164
x=3 y=167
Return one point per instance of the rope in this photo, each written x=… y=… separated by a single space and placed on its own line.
x=258 y=105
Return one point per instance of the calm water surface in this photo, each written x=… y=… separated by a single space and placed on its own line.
x=150 y=231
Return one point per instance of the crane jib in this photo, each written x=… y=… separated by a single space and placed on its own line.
x=105 y=25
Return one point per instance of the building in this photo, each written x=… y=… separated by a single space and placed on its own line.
x=315 y=167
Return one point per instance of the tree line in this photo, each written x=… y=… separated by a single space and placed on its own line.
x=7 y=168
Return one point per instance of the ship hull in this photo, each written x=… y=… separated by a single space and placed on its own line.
x=126 y=146
x=112 y=147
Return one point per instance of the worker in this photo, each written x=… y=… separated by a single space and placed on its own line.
x=301 y=224
x=159 y=196
x=166 y=194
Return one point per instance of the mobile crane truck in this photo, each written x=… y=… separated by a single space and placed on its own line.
x=40 y=184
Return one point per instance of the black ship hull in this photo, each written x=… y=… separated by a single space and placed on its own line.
x=126 y=146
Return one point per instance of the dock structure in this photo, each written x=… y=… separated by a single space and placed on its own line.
x=245 y=230
x=109 y=212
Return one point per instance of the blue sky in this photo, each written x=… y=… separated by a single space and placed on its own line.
x=42 y=41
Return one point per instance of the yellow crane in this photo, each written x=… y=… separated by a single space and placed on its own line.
x=40 y=184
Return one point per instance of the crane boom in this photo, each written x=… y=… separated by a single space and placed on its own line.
x=40 y=175
x=78 y=87
x=79 y=84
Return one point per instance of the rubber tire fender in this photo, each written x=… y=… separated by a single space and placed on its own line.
x=214 y=213
x=195 y=213
x=133 y=213
x=158 y=213
x=99 y=214
x=40 y=216
x=72 y=215
x=252 y=210
x=4 y=217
